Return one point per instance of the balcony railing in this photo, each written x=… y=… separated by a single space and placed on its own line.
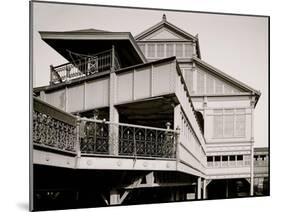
x=98 y=137
x=85 y=66
x=56 y=130
x=53 y=129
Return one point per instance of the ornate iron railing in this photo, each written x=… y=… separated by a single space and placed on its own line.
x=53 y=128
x=100 y=137
x=85 y=66
x=57 y=130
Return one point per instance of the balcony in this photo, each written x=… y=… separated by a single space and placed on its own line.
x=57 y=131
x=84 y=66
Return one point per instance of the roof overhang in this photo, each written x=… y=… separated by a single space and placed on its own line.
x=87 y=42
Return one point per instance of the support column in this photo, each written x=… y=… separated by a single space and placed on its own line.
x=114 y=197
x=252 y=147
x=204 y=189
x=113 y=112
x=178 y=195
x=199 y=188
x=177 y=127
x=226 y=189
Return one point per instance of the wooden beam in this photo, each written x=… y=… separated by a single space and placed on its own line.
x=125 y=194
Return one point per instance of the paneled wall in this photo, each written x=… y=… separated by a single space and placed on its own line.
x=146 y=82
x=86 y=95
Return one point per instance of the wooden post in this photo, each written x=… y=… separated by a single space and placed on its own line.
x=177 y=125
x=204 y=189
x=51 y=74
x=199 y=188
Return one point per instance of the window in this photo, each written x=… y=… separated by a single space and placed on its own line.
x=209 y=158
x=224 y=158
x=228 y=129
x=240 y=125
x=239 y=157
x=232 y=157
x=229 y=123
x=150 y=50
x=160 y=50
x=170 y=50
x=188 y=49
x=217 y=158
x=179 y=50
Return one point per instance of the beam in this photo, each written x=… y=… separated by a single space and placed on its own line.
x=125 y=194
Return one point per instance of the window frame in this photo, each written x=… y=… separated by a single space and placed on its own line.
x=236 y=112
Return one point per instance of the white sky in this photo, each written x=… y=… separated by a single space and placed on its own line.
x=237 y=45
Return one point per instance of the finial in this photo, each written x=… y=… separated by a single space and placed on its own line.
x=164 y=17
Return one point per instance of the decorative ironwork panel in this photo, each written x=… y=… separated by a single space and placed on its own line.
x=51 y=132
x=146 y=142
x=95 y=139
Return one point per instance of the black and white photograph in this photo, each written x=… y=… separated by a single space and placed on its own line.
x=141 y=106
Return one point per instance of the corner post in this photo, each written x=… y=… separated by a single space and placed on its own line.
x=113 y=112
x=252 y=147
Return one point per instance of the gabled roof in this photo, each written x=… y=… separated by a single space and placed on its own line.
x=165 y=24
x=226 y=77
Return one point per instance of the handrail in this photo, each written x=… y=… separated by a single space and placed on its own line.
x=128 y=125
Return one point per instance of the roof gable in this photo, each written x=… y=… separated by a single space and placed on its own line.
x=228 y=83
x=164 y=34
x=166 y=30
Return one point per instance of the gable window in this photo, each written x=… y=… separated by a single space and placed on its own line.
x=188 y=50
x=229 y=123
x=160 y=50
x=169 y=50
x=150 y=50
x=179 y=50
